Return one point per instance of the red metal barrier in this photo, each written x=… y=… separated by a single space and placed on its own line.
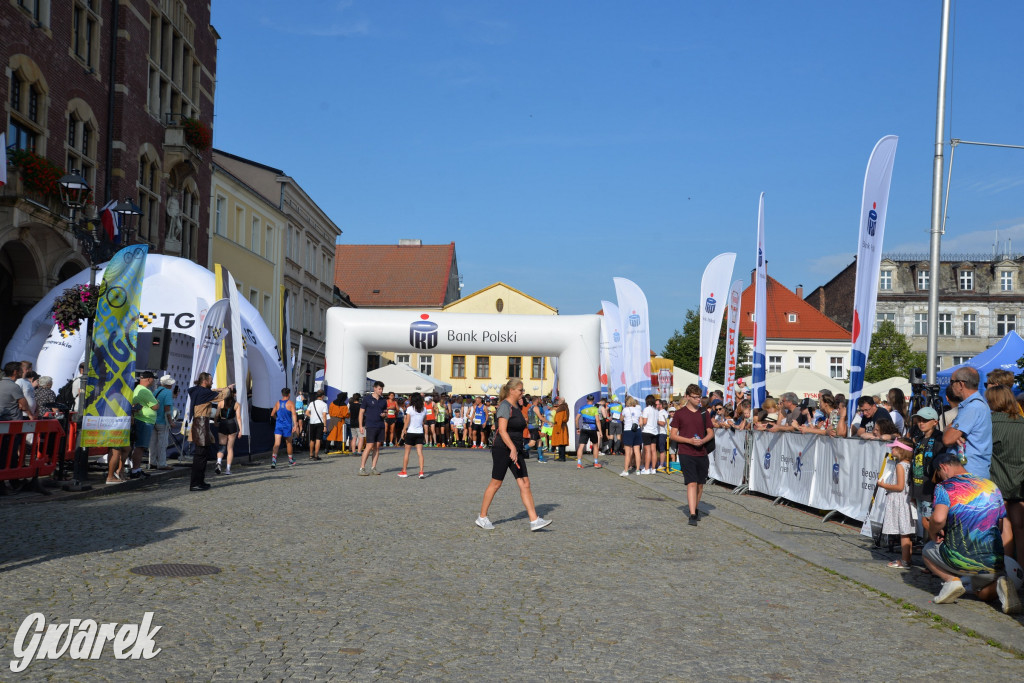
x=20 y=459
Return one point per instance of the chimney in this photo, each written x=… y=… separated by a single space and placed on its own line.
x=800 y=291
x=410 y=243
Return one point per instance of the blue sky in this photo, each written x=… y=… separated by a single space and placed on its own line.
x=560 y=144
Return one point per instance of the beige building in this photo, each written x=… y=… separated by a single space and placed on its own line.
x=484 y=374
x=287 y=240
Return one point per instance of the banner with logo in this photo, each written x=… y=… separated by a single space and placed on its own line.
x=636 y=337
x=714 y=286
x=613 y=367
x=284 y=341
x=732 y=339
x=233 y=366
x=211 y=338
x=874 y=203
x=728 y=462
x=107 y=418
x=758 y=389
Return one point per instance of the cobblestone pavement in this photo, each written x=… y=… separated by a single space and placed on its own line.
x=327 y=575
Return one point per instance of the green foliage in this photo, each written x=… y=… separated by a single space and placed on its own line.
x=890 y=355
x=684 y=349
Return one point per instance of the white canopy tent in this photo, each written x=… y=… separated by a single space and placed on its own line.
x=402 y=379
x=882 y=387
x=802 y=382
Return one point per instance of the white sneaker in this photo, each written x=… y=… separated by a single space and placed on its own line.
x=624 y=473
x=539 y=523
x=484 y=523
x=951 y=590
x=1009 y=601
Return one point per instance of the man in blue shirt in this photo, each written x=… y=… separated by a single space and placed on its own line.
x=972 y=427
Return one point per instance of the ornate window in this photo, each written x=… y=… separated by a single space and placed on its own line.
x=148 y=185
x=85 y=22
x=174 y=73
x=27 y=105
x=81 y=141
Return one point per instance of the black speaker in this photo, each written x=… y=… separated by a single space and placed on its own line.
x=159 y=348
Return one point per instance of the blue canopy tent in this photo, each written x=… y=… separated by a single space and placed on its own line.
x=1003 y=354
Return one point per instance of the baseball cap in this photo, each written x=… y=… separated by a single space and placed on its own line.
x=716 y=402
x=146 y=374
x=771 y=418
x=167 y=381
x=927 y=413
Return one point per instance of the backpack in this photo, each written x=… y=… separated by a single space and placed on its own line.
x=66 y=394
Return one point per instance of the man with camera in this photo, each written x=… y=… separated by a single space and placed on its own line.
x=968 y=531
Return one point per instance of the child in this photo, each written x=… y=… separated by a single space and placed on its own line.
x=897 y=518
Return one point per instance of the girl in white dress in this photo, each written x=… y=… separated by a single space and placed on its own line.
x=897 y=518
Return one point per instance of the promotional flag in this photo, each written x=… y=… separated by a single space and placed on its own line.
x=213 y=330
x=3 y=166
x=758 y=390
x=714 y=297
x=611 y=341
x=732 y=339
x=636 y=337
x=298 y=365
x=110 y=377
x=233 y=367
x=874 y=202
x=285 y=341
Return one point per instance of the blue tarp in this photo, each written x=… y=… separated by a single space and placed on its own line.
x=1003 y=354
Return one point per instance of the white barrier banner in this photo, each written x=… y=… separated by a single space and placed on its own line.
x=726 y=463
x=817 y=471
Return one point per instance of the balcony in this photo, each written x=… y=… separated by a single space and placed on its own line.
x=39 y=207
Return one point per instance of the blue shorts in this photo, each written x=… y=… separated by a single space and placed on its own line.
x=143 y=432
x=283 y=430
x=631 y=437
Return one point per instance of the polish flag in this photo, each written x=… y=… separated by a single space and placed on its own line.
x=111 y=222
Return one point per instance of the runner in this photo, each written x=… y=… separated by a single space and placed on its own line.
x=412 y=433
x=285 y=426
x=586 y=423
x=428 y=422
x=534 y=420
x=227 y=432
x=441 y=422
x=479 y=416
x=391 y=420
x=371 y=424
x=615 y=425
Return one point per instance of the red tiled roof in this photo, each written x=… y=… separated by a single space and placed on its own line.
x=810 y=322
x=404 y=276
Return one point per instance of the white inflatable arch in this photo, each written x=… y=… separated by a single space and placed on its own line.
x=573 y=339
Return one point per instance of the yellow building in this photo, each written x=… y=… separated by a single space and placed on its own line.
x=484 y=374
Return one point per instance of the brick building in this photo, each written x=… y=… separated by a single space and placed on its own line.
x=115 y=89
x=981 y=298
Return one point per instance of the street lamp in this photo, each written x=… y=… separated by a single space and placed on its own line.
x=74 y=193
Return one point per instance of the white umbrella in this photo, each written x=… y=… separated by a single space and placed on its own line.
x=802 y=382
x=882 y=387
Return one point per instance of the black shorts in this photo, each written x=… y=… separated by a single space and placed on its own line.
x=650 y=439
x=695 y=468
x=375 y=433
x=412 y=439
x=587 y=436
x=428 y=423
x=316 y=432
x=534 y=433
x=390 y=421
x=502 y=463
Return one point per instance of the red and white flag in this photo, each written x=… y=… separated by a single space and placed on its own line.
x=111 y=222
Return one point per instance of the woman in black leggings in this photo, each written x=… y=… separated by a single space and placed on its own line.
x=508 y=444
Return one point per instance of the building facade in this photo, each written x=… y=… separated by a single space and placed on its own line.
x=298 y=234
x=981 y=298
x=797 y=334
x=121 y=91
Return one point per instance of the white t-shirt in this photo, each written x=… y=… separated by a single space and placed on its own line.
x=30 y=393
x=651 y=416
x=415 y=420
x=630 y=417
x=897 y=420
x=317 y=412
x=663 y=417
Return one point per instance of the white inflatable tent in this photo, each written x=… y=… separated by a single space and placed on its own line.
x=176 y=294
x=573 y=339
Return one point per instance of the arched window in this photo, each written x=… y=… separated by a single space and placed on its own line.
x=148 y=185
x=81 y=140
x=27 y=105
x=190 y=220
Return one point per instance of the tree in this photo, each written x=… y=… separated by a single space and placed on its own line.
x=683 y=349
x=890 y=354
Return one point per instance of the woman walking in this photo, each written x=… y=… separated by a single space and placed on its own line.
x=508 y=444
x=412 y=432
x=227 y=432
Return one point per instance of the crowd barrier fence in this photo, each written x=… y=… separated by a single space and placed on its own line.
x=826 y=473
x=30 y=449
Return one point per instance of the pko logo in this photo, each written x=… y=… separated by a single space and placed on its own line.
x=634 y=320
x=760 y=257
x=423 y=334
x=835 y=473
x=767 y=459
x=872 y=219
x=616 y=337
x=710 y=303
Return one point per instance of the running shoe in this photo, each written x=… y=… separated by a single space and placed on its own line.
x=579 y=465
x=542 y=459
x=273 y=463
x=363 y=472
x=422 y=476
x=291 y=462
x=484 y=523
x=539 y=523
x=951 y=590
x=373 y=470
x=693 y=522
x=598 y=465
x=217 y=468
x=1008 y=598
x=403 y=474
x=624 y=473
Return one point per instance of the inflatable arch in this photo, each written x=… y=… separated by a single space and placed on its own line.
x=175 y=293
x=573 y=339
